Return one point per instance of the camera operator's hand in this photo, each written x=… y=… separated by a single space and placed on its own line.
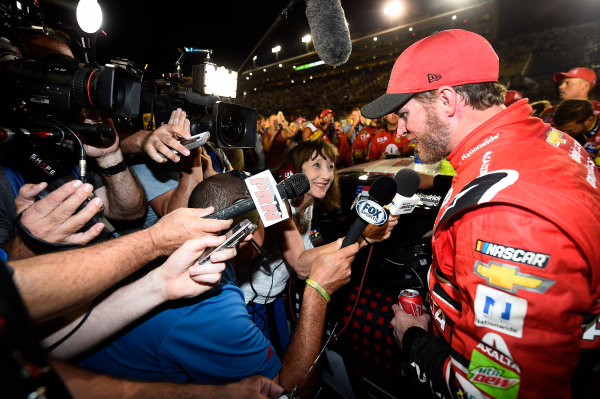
x=104 y=155
x=182 y=224
x=181 y=277
x=53 y=218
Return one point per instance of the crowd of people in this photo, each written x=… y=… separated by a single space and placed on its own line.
x=514 y=283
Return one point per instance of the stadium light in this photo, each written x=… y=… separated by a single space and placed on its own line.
x=306 y=40
x=276 y=50
x=393 y=10
x=89 y=15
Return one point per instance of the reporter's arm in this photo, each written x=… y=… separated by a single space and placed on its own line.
x=122 y=194
x=331 y=270
x=88 y=385
x=53 y=284
x=169 y=281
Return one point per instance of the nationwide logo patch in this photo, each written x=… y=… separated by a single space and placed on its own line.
x=509 y=278
x=433 y=77
x=499 y=311
x=512 y=254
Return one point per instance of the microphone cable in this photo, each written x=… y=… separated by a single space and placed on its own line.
x=82 y=156
x=357 y=294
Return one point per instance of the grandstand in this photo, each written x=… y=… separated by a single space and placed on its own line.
x=302 y=85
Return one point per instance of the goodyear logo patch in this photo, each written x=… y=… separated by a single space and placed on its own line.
x=493 y=378
x=509 y=278
x=512 y=254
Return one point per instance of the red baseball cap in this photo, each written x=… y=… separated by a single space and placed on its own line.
x=511 y=96
x=448 y=58
x=325 y=112
x=579 y=72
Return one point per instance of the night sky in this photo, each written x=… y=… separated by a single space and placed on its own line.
x=150 y=32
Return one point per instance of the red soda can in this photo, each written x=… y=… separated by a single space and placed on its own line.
x=411 y=302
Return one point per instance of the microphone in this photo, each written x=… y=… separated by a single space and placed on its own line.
x=370 y=210
x=329 y=30
x=294 y=186
x=405 y=199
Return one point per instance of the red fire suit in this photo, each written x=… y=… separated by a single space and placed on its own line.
x=362 y=143
x=515 y=278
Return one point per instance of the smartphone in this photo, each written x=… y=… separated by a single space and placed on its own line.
x=194 y=142
x=235 y=235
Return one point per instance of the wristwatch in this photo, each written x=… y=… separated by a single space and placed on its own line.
x=115 y=169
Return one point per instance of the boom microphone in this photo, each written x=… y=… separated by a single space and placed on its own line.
x=329 y=30
x=405 y=199
x=294 y=186
x=370 y=210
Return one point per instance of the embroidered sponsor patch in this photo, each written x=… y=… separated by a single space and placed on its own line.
x=509 y=278
x=492 y=377
x=500 y=311
x=512 y=254
x=555 y=137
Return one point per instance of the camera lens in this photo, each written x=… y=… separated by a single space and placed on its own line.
x=231 y=127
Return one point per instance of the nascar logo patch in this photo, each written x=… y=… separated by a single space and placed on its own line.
x=512 y=254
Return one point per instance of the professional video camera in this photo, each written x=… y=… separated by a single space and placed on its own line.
x=230 y=125
x=60 y=85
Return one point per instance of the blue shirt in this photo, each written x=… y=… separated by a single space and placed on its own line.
x=212 y=340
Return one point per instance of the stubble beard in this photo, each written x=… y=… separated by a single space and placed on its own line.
x=434 y=140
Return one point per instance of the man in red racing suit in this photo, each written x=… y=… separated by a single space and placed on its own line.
x=515 y=277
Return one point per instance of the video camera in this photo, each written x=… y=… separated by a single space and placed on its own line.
x=230 y=125
x=60 y=85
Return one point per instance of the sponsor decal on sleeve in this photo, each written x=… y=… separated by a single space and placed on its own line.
x=500 y=311
x=555 y=137
x=509 y=278
x=512 y=254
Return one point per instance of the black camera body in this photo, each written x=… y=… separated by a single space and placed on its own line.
x=61 y=85
x=230 y=125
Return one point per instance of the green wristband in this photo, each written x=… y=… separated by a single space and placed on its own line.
x=317 y=287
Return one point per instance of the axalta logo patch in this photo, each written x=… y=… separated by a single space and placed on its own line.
x=512 y=254
x=509 y=278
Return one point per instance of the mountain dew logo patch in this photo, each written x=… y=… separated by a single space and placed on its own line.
x=493 y=378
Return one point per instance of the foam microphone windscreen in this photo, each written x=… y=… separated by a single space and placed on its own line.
x=329 y=30
x=294 y=186
x=407 y=181
x=382 y=190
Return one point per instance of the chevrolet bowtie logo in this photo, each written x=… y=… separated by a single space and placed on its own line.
x=555 y=137
x=509 y=278
x=433 y=78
